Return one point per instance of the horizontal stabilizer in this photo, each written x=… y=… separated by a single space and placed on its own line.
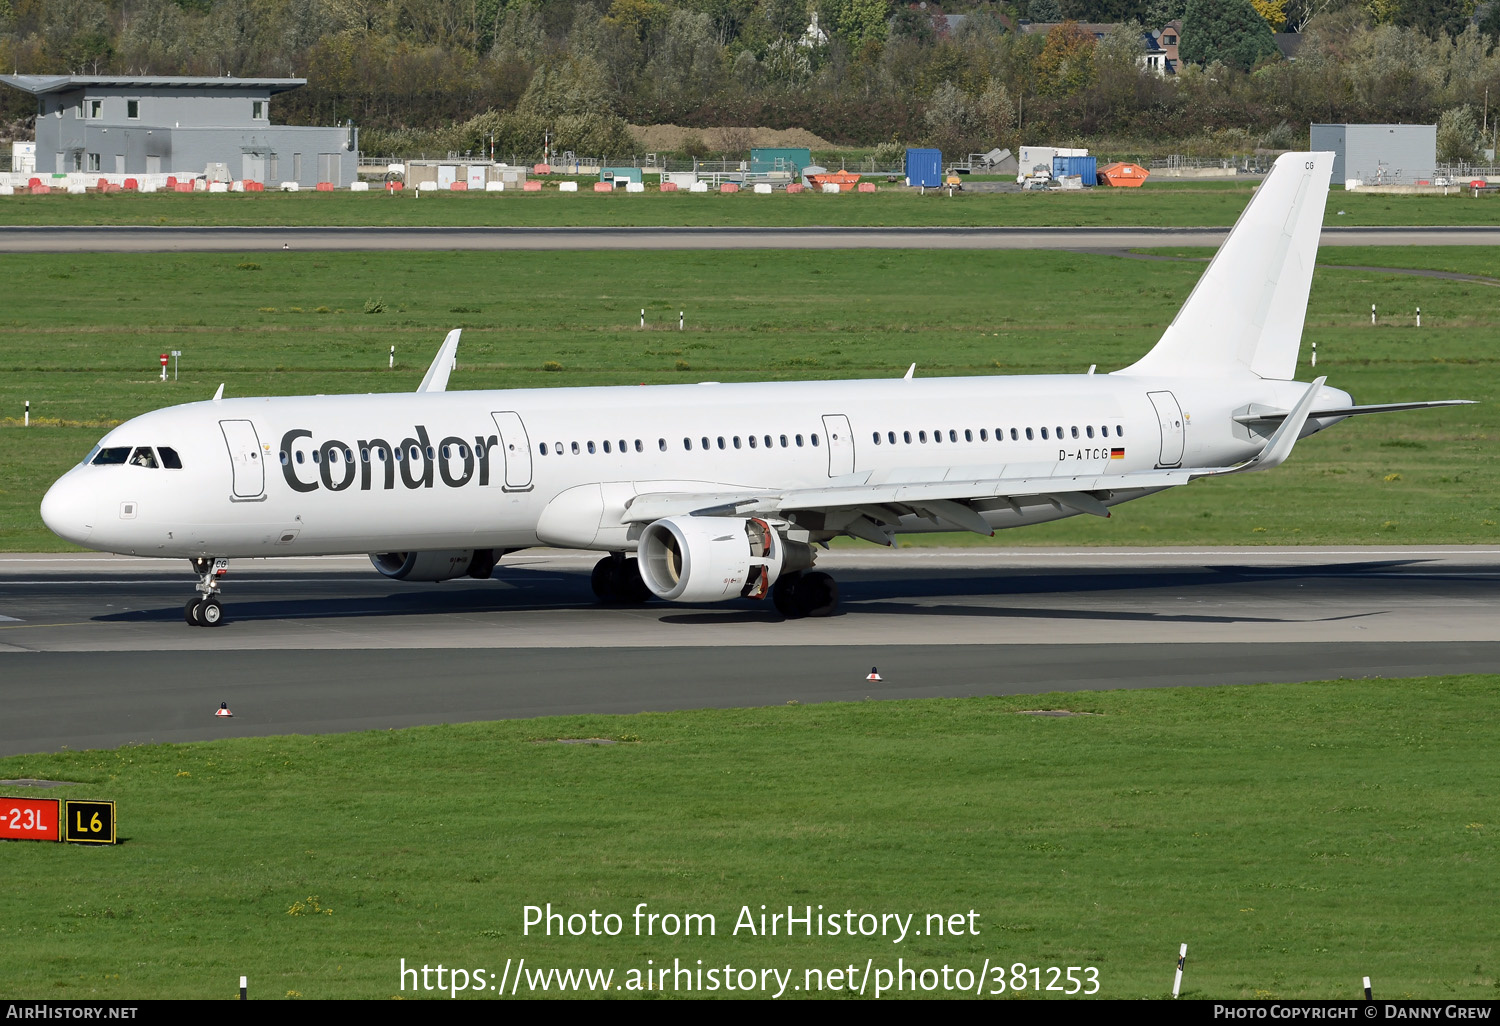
x=442 y=365
x=1272 y=416
x=1279 y=446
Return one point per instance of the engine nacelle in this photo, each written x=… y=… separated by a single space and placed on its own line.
x=435 y=566
x=709 y=559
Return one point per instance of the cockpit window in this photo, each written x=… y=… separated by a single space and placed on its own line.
x=169 y=458
x=115 y=455
x=143 y=457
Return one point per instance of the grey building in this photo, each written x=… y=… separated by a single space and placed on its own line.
x=1378 y=153
x=107 y=124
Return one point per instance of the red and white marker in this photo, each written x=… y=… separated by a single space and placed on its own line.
x=223 y=710
x=874 y=674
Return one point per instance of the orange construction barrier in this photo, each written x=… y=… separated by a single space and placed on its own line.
x=102 y=184
x=394 y=186
x=796 y=187
x=182 y=186
x=131 y=185
x=604 y=186
x=866 y=186
x=541 y=169
x=325 y=187
x=171 y=181
x=38 y=189
x=458 y=186
x=668 y=186
x=729 y=187
x=532 y=187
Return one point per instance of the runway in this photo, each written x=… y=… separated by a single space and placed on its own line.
x=82 y=239
x=95 y=654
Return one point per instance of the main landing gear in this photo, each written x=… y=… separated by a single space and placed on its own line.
x=617 y=581
x=805 y=593
x=205 y=609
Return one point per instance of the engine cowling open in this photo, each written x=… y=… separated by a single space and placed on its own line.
x=435 y=566
x=710 y=559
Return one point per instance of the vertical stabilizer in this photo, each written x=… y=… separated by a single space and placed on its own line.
x=1246 y=312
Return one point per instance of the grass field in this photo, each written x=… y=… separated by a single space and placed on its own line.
x=80 y=334
x=1297 y=837
x=1176 y=204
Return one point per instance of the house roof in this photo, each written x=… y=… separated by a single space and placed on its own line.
x=40 y=84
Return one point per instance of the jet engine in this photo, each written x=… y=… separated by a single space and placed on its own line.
x=709 y=559
x=435 y=566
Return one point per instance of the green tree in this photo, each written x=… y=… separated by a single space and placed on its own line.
x=855 y=22
x=1228 y=31
x=1458 y=136
x=1044 y=11
x=1434 y=17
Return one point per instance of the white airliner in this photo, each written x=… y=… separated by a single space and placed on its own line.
x=707 y=492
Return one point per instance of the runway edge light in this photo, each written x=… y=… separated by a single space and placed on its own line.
x=874 y=674
x=223 y=710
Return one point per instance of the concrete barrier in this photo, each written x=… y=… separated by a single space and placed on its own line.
x=762 y=189
x=563 y=186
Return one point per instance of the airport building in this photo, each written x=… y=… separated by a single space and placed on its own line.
x=108 y=124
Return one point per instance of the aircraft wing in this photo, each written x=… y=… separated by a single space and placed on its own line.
x=436 y=379
x=869 y=510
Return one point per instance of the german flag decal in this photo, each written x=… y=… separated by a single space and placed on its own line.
x=1117 y=454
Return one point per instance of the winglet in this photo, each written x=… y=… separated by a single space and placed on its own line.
x=1280 y=445
x=220 y=393
x=442 y=365
x=909 y=372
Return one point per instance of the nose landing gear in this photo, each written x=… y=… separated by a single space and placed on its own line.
x=205 y=609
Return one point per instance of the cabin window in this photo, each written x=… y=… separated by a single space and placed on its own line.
x=316 y=458
x=984 y=435
x=1075 y=430
x=922 y=436
x=1029 y=435
x=661 y=443
x=814 y=439
x=1120 y=430
x=1044 y=432
x=687 y=443
x=1014 y=437
x=430 y=454
x=463 y=452
x=114 y=456
x=479 y=451
x=1088 y=429
x=169 y=458
x=638 y=446
x=736 y=441
x=299 y=456
x=543 y=449
x=968 y=435
x=557 y=449
x=721 y=441
x=783 y=441
x=768 y=441
x=876 y=436
x=333 y=455
x=606 y=446
x=591 y=448
x=705 y=444
x=907 y=436
x=952 y=435
x=364 y=454
x=752 y=441
x=574 y=447
x=798 y=440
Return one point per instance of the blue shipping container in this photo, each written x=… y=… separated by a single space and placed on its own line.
x=1086 y=168
x=924 y=167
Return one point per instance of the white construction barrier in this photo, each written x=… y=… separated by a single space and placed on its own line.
x=221 y=186
x=77 y=188
x=698 y=187
x=832 y=187
x=7 y=190
x=762 y=188
x=635 y=186
x=567 y=186
x=359 y=187
x=288 y=186
x=427 y=186
x=148 y=187
x=494 y=186
x=238 y=186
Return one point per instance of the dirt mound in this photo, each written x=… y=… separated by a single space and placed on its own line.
x=667 y=138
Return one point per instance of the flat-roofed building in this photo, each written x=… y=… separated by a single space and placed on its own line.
x=162 y=125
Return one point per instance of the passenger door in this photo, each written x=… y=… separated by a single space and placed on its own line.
x=517 y=450
x=1169 y=416
x=245 y=456
x=840 y=441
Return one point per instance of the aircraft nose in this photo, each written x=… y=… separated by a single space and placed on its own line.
x=68 y=511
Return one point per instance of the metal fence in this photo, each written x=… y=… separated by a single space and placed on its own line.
x=1240 y=164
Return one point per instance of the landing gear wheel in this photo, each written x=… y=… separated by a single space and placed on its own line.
x=784 y=595
x=605 y=580
x=205 y=609
x=190 y=612
x=632 y=584
x=210 y=612
x=817 y=594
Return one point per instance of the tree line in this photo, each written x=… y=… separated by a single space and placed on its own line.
x=467 y=74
